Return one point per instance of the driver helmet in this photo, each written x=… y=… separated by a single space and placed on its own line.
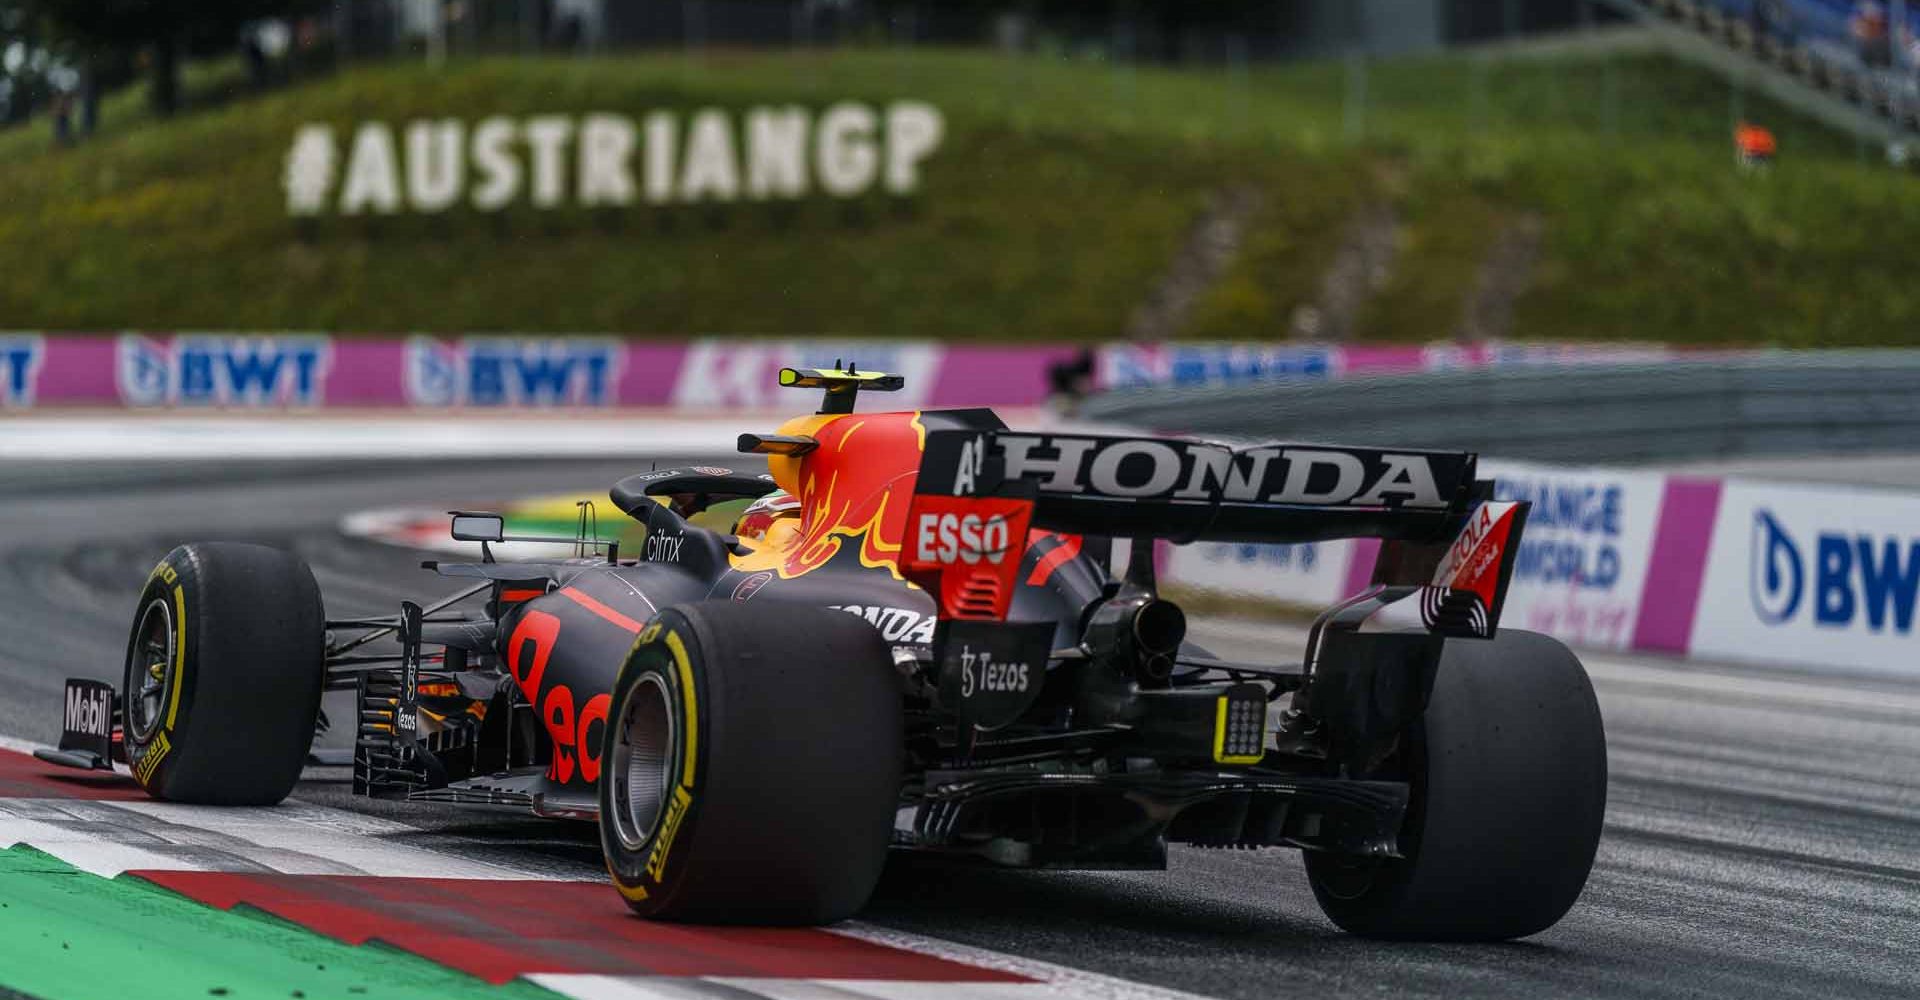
x=759 y=517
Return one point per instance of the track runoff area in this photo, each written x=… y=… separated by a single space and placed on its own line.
x=1762 y=836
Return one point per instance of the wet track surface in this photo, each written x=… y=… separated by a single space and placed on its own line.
x=1763 y=831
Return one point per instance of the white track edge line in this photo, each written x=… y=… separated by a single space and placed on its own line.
x=1078 y=982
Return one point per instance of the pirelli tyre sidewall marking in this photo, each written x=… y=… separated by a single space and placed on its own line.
x=166 y=583
x=661 y=649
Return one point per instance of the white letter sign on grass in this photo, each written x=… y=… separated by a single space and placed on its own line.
x=493 y=158
x=547 y=138
x=712 y=173
x=372 y=182
x=913 y=131
x=606 y=151
x=777 y=153
x=436 y=164
x=606 y=159
x=844 y=155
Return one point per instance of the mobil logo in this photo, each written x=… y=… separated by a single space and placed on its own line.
x=19 y=370
x=223 y=370
x=1845 y=579
x=510 y=371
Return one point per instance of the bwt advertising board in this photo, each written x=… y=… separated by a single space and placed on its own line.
x=1812 y=576
x=1313 y=573
x=281 y=371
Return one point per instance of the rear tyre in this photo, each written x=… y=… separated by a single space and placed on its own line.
x=752 y=765
x=1508 y=769
x=223 y=675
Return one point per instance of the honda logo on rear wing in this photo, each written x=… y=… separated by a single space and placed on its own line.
x=1174 y=488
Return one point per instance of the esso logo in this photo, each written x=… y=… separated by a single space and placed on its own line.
x=962 y=538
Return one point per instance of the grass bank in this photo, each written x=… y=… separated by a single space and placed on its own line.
x=1060 y=194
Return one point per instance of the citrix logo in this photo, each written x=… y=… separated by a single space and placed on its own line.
x=1775 y=580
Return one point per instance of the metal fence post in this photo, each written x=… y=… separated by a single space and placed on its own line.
x=437 y=34
x=693 y=18
x=1477 y=85
x=1120 y=57
x=1355 y=107
x=1610 y=99
x=343 y=31
x=1237 y=67
x=1737 y=100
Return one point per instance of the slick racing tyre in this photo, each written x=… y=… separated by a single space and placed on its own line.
x=753 y=765
x=1508 y=770
x=223 y=675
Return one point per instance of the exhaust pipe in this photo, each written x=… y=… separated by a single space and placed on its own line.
x=1158 y=628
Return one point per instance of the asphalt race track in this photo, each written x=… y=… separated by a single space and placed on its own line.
x=1763 y=834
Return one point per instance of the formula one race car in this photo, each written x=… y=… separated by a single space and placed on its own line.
x=912 y=639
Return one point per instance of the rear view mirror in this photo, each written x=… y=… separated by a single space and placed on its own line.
x=477 y=526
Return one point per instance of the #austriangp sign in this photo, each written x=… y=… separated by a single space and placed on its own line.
x=607 y=160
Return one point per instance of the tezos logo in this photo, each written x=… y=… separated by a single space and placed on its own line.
x=1775 y=580
x=981 y=673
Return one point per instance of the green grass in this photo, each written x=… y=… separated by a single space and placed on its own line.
x=76 y=936
x=1060 y=194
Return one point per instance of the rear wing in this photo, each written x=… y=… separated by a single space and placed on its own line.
x=1198 y=490
x=978 y=493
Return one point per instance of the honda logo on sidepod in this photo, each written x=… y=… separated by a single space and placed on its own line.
x=1775 y=580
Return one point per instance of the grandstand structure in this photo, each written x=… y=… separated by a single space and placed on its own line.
x=1807 y=54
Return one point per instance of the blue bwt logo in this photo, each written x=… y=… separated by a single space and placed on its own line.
x=1854 y=577
x=219 y=370
x=1775 y=580
x=503 y=371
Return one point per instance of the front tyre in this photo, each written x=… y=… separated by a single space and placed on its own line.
x=753 y=763
x=223 y=675
x=1508 y=769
